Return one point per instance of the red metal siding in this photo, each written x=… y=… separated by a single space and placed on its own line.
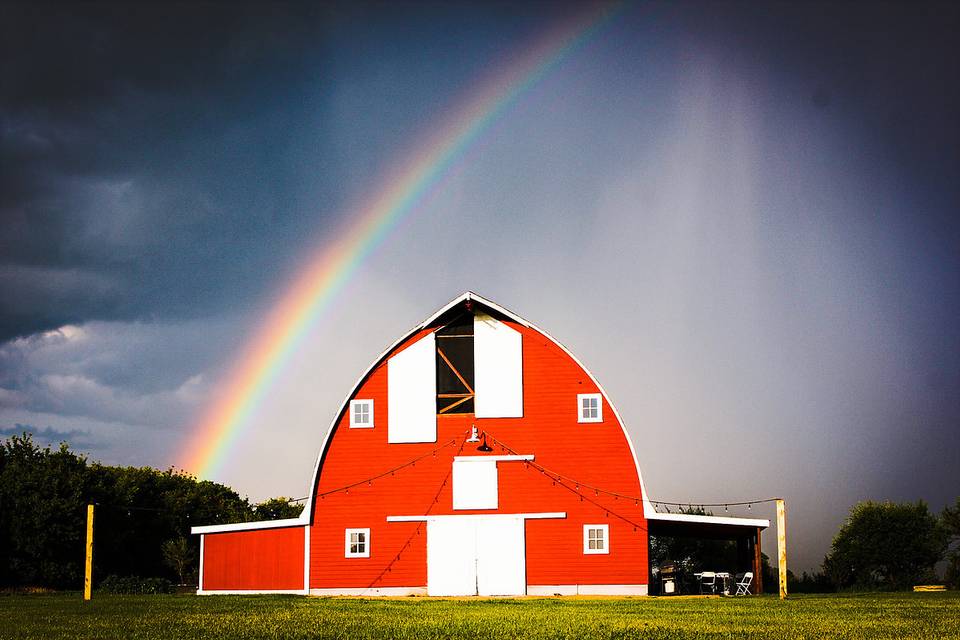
x=593 y=453
x=259 y=560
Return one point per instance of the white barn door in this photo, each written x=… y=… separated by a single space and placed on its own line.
x=451 y=557
x=497 y=369
x=501 y=557
x=469 y=556
x=412 y=393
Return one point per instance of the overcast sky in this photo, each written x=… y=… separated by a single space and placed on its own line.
x=740 y=217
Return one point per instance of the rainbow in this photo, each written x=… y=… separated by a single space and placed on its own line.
x=332 y=266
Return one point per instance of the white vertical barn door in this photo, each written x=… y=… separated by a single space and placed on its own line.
x=497 y=369
x=468 y=555
x=412 y=393
x=451 y=557
x=501 y=557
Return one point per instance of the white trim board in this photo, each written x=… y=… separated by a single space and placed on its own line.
x=525 y=516
x=522 y=458
x=306 y=558
x=724 y=520
x=249 y=526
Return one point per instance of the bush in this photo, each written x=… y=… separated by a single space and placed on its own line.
x=135 y=585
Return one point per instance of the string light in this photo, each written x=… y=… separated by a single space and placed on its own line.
x=636 y=500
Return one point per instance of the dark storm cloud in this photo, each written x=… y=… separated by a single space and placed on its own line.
x=169 y=160
x=141 y=153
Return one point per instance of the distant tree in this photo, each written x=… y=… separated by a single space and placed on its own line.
x=884 y=545
x=950 y=520
x=277 y=509
x=178 y=555
x=41 y=504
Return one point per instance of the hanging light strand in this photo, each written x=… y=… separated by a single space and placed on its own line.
x=388 y=472
x=558 y=477
x=396 y=558
x=564 y=482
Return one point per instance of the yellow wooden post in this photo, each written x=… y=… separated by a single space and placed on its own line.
x=782 y=546
x=88 y=571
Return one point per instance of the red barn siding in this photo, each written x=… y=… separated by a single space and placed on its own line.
x=593 y=453
x=258 y=560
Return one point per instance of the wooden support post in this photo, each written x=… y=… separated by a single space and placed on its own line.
x=88 y=570
x=757 y=566
x=782 y=546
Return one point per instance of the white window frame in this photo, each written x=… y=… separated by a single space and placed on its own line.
x=605 y=528
x=347 y=553
x=589 y=396
x=357 y=425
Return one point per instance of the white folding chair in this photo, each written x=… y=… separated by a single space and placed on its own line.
x=708 y=582
x=743 y=584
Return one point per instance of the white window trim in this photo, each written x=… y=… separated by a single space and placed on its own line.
x=583 y=396
x=346 y=543
x=586 y=539
x=354 y=425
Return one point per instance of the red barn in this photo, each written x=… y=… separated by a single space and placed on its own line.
x=476 y=456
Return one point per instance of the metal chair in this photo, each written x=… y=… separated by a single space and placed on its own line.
x=708 y=582
x=743 y=584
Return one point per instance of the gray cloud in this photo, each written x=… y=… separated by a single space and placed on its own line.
x=76 y=438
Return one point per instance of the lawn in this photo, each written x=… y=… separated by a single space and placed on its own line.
x=908 y=615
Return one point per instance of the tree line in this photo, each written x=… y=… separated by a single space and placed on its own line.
x=143 y=520
x=143 y=517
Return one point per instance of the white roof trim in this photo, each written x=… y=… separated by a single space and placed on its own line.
x=525 y=457
x=467 y=295
x=722 y=520
x=249 y=526
x=475 y=516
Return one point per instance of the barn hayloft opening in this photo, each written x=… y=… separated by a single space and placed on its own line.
x=455 y=366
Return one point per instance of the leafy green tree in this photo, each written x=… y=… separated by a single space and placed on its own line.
x=179 y=555
x=950 y=520
x=884 y=545
x=276 y=509
x=41 y=504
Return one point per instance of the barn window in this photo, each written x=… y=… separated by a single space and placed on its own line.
x=596 y=538
x=361 y=414
x=357 y=543
x=590 y=407
x=455 y=381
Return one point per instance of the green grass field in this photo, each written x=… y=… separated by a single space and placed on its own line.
x=909 y=615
